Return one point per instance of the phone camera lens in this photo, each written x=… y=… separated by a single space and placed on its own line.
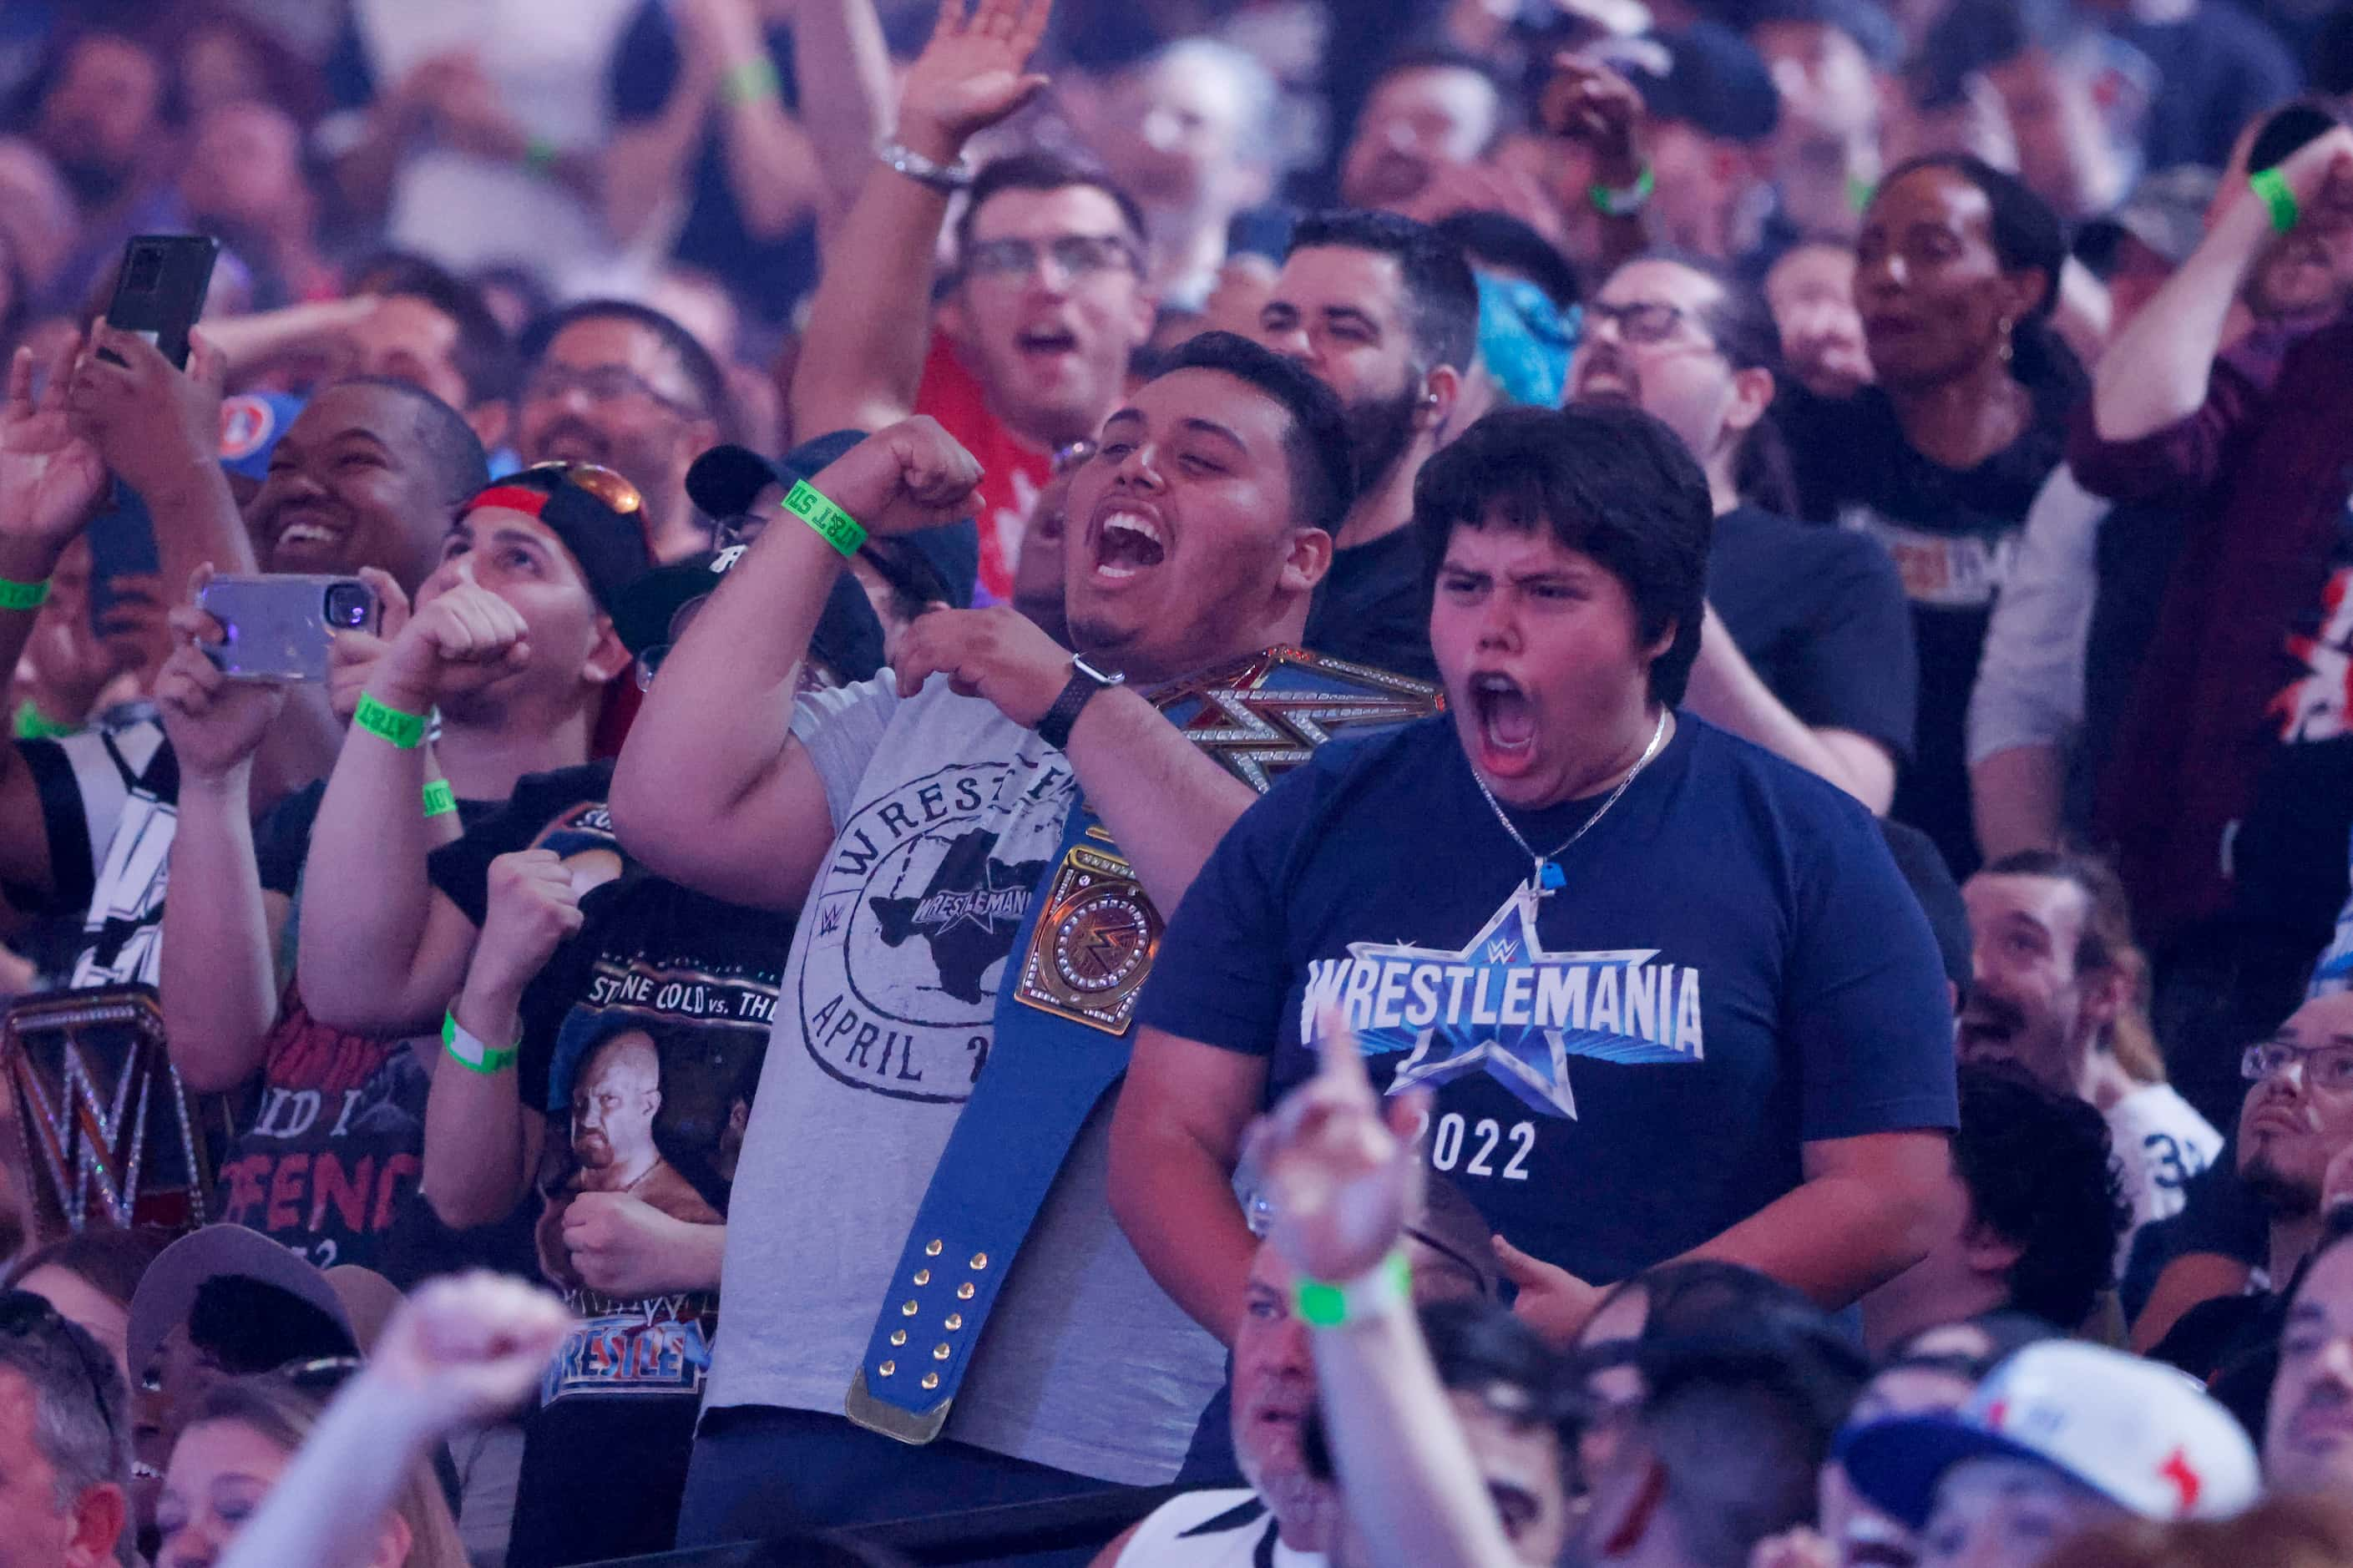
x=347 y=606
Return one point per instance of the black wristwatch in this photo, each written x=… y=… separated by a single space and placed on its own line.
x=1085 y=681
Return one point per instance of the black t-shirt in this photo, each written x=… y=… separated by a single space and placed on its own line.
x=1373 y=607
x=642 y=1043
x=1951 y=534
x=329 y=1160
x=1819 y=614
x=2289 y=855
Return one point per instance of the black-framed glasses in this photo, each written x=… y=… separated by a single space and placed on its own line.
x=1074 y=256
x=24 y=1315
x=1645 y=322
x=2329 y=1068
x=600 y=383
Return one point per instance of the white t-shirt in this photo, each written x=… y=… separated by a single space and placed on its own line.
x=108 y=799
x=1212 y=1529
x=946 y=815
x=2159 y=1142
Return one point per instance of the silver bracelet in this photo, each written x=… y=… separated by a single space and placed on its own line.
x=898 y=157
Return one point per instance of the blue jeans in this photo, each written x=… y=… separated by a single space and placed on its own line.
x=759 y=1472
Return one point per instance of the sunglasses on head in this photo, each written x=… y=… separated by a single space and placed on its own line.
x=610 y=489
x=26 y=1316
x=319 y=1375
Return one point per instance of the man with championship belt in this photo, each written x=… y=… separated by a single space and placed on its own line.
x=980 y=847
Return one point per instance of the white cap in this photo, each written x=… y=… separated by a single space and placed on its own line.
x=2136 y=1431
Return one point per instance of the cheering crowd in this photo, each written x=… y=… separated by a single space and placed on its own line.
x=1403 y=783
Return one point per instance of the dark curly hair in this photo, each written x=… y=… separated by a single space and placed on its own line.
x=2040 y=1174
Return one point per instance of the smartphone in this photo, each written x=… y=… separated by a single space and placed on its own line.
x=160 y=292
x=281 y=627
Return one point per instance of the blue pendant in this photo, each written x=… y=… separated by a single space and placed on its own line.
x=1549 y=877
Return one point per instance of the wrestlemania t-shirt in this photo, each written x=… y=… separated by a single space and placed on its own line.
x=642 y=1044
x=1625 y=1068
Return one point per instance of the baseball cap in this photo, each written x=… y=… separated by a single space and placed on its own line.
x=167 y=1291
x=598 y=515
x=2166 y=212
x=2140 y=1434
x=251 y=424
x=931 y=563
x=1703 y=75
x=653 y=612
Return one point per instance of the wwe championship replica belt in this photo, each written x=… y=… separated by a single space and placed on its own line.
x=1064 y=1015
x=106 y=1133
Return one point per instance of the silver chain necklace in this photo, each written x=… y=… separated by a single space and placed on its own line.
x=1549 y=879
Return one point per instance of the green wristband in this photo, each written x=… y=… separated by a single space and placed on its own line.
x=1611 y=202
x=23 y=595
x=1388 y=1286
x=539 y=155
x=2272 y=185
x=440 y=800
x=31 y=724
x=833 y=525
x=470 y=1053
x=406 y=730
x=751 y=82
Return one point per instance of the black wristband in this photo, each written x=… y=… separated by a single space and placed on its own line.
x=1054 y=728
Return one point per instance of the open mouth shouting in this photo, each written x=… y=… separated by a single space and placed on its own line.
x=1126 y=541
x=1504 y=721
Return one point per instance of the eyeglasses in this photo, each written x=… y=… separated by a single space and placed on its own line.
x=1643 y=321
x=602 y=482
x=26 y=1316
x=2329 y=1068
x=1074 y=256
x=604 y=384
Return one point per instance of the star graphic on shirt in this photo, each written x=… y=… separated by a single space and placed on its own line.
x=1529 y=1059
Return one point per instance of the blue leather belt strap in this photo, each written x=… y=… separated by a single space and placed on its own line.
x=1047 y=1072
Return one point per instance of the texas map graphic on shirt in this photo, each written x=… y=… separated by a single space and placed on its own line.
x=1502 y=1005
x=967 y=915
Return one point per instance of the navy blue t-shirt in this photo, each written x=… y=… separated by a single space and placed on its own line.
x=1735 y=968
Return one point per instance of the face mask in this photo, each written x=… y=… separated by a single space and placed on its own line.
x=1524 y=340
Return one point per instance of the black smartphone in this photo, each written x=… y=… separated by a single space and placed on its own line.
x=160 y=292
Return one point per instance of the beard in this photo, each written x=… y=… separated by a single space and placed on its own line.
x=1380 y=430
x=2279 y=1195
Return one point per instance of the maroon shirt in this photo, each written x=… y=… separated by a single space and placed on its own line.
x=2264 y=472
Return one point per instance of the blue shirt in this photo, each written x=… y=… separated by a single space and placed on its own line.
x=1624 y=1069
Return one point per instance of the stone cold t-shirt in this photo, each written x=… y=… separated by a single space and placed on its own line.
x=948 y=818
x=1625 y=1069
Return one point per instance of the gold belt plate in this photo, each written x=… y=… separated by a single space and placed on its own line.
x=1094 y=944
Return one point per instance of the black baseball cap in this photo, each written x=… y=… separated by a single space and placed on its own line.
x=932 y=564
x=1703 y=75
x=654 y=612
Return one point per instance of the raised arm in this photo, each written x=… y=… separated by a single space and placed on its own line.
x=712 y=790
x=841 y=76
x=382 y=950
x=862 y=360
x=219 y=975
x=481 y=1142
x=51 y=481
x=2155 y=374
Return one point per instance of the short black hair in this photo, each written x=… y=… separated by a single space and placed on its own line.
x=709 y=380
x=1613 y=483
x=1741 y=321
x=2040 y=1175
x=485 y=355
x=249 y=1326
x=461 y=466
x=1044 y=171
x=1478 y=1347
x=1502 y=240
x=1441 y=296
x=1323 y=479
x=1741 y=1421
x=1700 y=1295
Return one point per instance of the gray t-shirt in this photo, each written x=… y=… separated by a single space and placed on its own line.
x=945 y=816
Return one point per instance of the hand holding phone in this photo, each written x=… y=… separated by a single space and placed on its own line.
x=282 y=626
x=160 y=291
x=215 y=723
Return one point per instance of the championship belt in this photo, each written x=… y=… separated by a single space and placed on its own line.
x=106 y=1133
x=1065 y=1011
